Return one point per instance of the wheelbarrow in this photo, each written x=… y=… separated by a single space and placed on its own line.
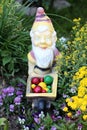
x=41 y=101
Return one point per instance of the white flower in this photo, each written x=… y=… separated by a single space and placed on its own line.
x=73 y=90
x=25 y=127
x=62 y=39
x=21 y=121
x=41 y=115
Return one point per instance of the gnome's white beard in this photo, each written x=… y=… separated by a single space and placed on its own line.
x=44 y=57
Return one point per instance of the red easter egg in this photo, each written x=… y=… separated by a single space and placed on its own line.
x=41 y=79
x=43 y=91
x=37 y=89
x=35 y=80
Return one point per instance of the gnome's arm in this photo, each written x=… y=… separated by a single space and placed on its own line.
x=31 y=57
x=56 y=53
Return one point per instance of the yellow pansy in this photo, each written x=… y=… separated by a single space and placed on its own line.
x=69 y=114
x=65 y=109
x=85 y=117
x=83 y=108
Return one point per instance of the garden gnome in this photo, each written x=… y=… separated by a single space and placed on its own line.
x=44 y=51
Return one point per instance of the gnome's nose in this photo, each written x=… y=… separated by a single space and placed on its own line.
x=42 y=40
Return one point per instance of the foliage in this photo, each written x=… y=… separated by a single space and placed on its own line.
x=73 y=74
x=11 y=99
x=14 y=37
x=73 y=49
x=78 y=102
x=69 y=110
x=3 y=124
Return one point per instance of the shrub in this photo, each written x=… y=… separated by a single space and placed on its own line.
x=14 y=37
x=74 y=52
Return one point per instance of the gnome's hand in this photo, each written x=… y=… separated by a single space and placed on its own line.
x=31 y=57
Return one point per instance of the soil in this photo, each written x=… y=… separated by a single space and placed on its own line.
x=12 y=124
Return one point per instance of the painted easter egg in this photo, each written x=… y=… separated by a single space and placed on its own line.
x=33 y=86
x=43 y=91
x=48 y=79
x=35 y=80
x=42 y=84
x=41 y=79
x=49 y=86
x=37 y=89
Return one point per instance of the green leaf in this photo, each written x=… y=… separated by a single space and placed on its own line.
x=5 y=53
x=59 y=127
x=6 y=60
x=2 y=121
x=71 y=126
x=6 y=127
x=11 y=65
x=21 y=80
x=48 y=121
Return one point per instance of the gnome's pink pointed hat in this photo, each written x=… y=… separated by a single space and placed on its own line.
x=42 y=19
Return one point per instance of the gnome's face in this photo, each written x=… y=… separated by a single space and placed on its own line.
x=42 y=37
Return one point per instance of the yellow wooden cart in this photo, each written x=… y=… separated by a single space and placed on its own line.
x=41 y=100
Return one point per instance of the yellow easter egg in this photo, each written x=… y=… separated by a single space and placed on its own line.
x=33 y=86
x=42 y=84
x=46 y=89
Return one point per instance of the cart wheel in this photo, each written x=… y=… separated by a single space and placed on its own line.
x=34 y=104
x=41 y=105
x=48 y=104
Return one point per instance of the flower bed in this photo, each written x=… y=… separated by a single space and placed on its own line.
x=69 y=110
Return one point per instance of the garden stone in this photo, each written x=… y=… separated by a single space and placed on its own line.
x=60 y=4
x=57 y=4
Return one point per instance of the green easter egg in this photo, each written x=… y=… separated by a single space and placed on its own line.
x=48 y=79
x=49 y=91
x=49 y=87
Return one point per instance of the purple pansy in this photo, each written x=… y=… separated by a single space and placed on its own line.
x=79 y=126
x=53 y=128
x=65 y=96
x=41 y=128
x=19 y=93
x=55 y=118
x=10 y=90
x=59 y=117
x=1 y=101
x=4 y=92
x=56 y=112
x=37 y=120
x=20 y=85
x=0 y=97
x=17 y=100
x=78 y=112
x=11 y=107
